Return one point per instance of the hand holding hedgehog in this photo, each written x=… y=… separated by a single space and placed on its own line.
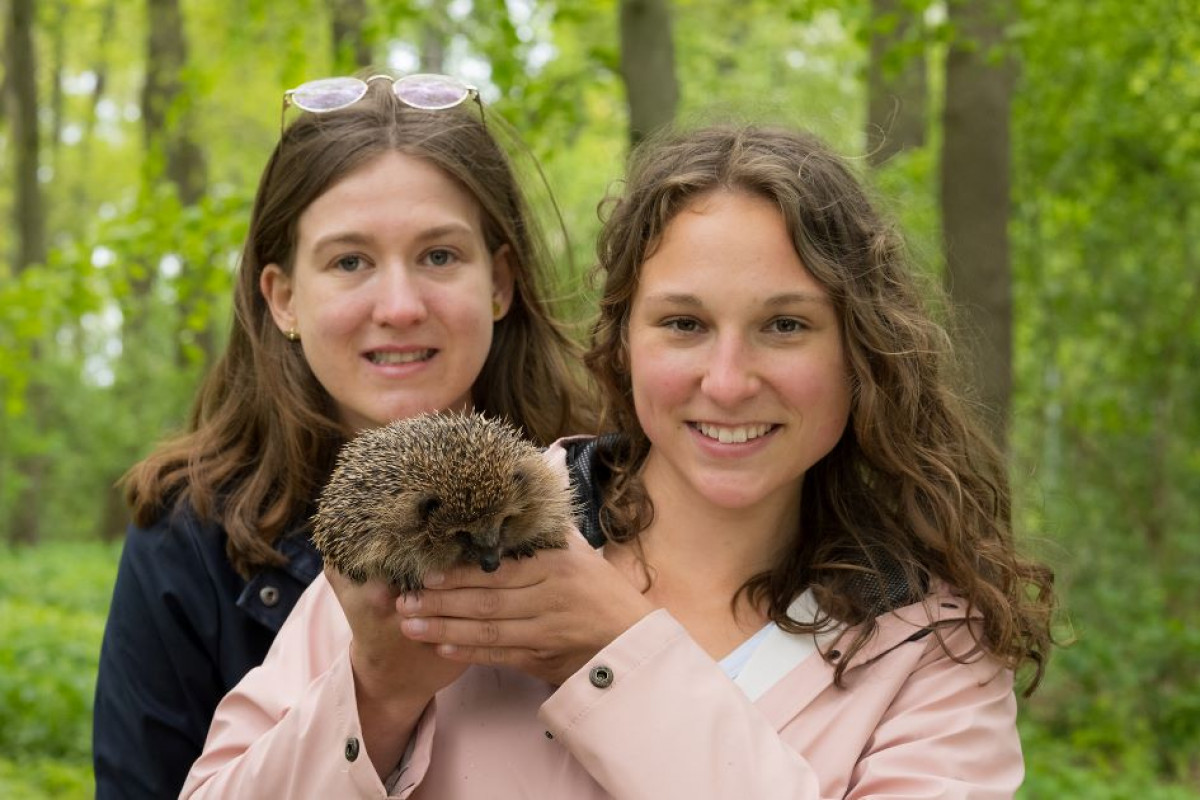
x=428 y=492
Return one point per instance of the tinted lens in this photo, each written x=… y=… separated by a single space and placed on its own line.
x=328 y=94
x=431 y=92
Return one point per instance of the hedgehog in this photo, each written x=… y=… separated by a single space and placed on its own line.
x=425 y=493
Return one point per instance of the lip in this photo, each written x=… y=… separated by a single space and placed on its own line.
x=406 y=359
x=725 y=448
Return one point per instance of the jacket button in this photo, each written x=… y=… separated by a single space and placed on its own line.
x=269 y=596
x=601 y=677
x=351 y=749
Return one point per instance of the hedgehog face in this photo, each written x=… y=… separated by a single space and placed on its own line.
x=480 y=537
x=424 y=494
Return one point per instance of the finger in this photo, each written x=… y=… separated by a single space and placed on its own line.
x=556 y=456
x=474 y=633
x=471 y=603
x=484 y=656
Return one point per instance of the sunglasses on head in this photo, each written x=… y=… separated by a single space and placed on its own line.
x=424 y=91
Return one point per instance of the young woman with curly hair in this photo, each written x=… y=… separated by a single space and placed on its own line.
x=797 y=575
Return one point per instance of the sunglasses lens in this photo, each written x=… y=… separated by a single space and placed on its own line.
x=328 y=94
x=430 y=92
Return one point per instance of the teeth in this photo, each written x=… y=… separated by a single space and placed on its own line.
x=400 y=358
x=739 y=434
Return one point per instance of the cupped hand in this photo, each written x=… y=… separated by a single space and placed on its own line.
x=546 y=615
x=389 y=668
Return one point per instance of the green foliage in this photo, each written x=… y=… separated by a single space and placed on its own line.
x=101 y=347
x=53 y=602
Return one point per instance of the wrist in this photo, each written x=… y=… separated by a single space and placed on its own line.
x=379 y=686
x=388 y=712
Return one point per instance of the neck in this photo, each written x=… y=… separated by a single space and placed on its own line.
x=713 y=550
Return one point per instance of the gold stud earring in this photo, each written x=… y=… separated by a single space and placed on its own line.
x=496 y=310
x=292 y=335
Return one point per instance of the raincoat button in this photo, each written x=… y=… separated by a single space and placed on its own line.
x=601 y=677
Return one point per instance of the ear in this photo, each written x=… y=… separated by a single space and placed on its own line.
x=276 y=288
x=502 y=279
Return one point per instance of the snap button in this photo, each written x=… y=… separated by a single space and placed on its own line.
x=601 y=677
x=351 y=749
x=269 y=596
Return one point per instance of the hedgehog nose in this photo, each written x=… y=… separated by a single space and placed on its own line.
x=489 y=560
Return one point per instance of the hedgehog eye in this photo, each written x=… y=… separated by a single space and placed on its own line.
x=519 y=476
x=464 y=539
x=427 y=506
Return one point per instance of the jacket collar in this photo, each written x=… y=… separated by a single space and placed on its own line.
x=815 y=674
x=268 y=597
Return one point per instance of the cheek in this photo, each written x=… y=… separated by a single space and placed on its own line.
x=467 y=316
x=331 y=312
x=822 y=390
x=661 y=377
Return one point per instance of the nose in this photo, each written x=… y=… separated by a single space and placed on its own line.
x=400 y=299
x=730 y=376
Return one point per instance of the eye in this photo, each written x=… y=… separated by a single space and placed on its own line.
x=441 y=257
x=682 y=324
x=350 y=263
x=787 y=325
x=427 y=505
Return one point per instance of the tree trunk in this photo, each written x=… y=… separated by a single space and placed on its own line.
x=116 y=516
x=108 y=19
x=167 y=119
x=59 y=54
x=648 y=65
x=30 y=218
x=351 y=48
x=975 y=197
x=896 y=83
x=166 y=107
x=434 y=35
x=30 y=223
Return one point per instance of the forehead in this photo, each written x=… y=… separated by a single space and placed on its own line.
x=390 y=192
x=725 y=245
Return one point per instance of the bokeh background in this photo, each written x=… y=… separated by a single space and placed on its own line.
x=1043 y=156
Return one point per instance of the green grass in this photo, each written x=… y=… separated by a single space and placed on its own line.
x=53 y=603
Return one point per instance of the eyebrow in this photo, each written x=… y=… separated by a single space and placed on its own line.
x=448 y=229
x=355 y=238
x=775 y=301
x=348 y=238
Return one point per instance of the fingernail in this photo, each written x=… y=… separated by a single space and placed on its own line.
x=410 y=604
x=414 y=627
x=434 y=579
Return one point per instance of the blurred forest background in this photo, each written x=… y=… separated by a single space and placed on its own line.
x=1043 y=155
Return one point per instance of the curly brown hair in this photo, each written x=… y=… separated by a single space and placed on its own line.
x=264 y=433
x=915 y=491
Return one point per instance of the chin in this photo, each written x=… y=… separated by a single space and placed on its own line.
x=731 y=498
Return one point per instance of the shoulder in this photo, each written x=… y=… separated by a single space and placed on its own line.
x=177 y=561
x=941 y=626
x=178 y=539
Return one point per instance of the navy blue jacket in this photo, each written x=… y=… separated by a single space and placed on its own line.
x=184 y=628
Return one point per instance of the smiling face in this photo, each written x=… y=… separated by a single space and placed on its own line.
x=392 y=291
x=739 y=378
